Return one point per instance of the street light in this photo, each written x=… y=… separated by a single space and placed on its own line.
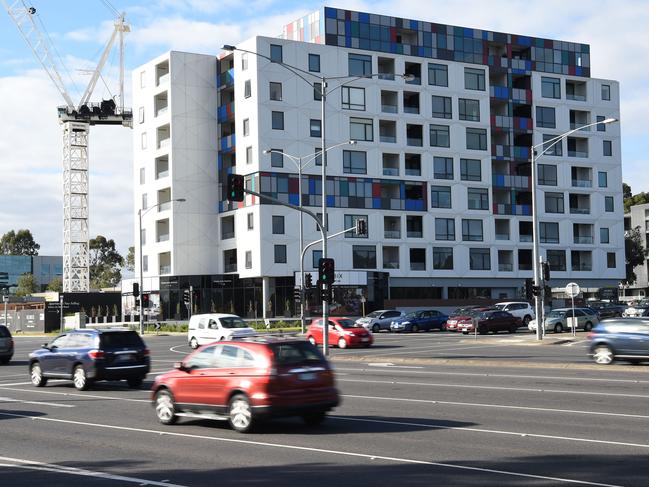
x=323 y=100
x=301 y=163
x=549 y=144
x=140 y=214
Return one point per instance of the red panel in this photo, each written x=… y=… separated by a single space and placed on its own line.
x=376 y=190
x=293 y=185
x=393 y=34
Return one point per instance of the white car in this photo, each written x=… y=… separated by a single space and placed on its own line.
x=520 y=309
x=212 y=327
x=379 y=320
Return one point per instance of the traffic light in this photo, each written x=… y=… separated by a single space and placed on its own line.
x=326 y=293
x=546 y=271
x=297 y=295
x=186 y=297
x=308 y=281
x=145 y=300
x=527 y=289
x=536 y=290
x=235 y=187
x=361 y=227
x=136 y=289
x=326 y=271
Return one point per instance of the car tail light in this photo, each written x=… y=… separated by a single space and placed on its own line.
x=146 y=352
x=95 y=354
x=590 y=335
x=11 y=342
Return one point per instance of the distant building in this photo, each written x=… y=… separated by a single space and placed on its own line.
x=638 y=216
x=43 y=267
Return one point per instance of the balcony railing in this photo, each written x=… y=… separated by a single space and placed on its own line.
x=525 y=238
x=582 y=183
x=572 y=96
x=161 y=111
x=522 y=266
x=386 y=76
x=391 y=234
x=162 y=174
x=230 y=267
x=162 y=79
x=506 y=267
x=574 y=125
x=414 y=141
x=507 y=209
x=583 y=239
x=582 y=267
x=580 y=211
x=502 y=236
x=164 y=143
x=390 y=171
x=511 y=181
x=385 y=108
x=226 y=235
x=414 y=234
x=388 y=138
x=499 y=92
x=417 y=266
x=164 y=206
x=577 y=153
x=165 y=269
x=163 y=237
x=390 y=265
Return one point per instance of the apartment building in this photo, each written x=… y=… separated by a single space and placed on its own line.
x=443 y=118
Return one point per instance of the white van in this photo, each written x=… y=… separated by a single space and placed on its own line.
x=213 y=327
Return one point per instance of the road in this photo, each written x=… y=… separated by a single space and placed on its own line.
x=529 y=423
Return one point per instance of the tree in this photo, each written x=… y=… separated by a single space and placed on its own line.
x=626 y=191
x=633 y=199
x=105 y=263
x=26 y=285
x=56 y=285
x=635 y=253
x=18 y=243
x=130 y=259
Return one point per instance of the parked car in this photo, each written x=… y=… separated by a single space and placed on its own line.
x=86 y=356
x=616 y=338
x=212 y=327
x=491 y=320
x=637 y=310
x=246 y=381
x=379 y=320
x=343 y=332
x=557 y=320
x=520 y=309
x=422 y=320
x=6 y=345
x=461 y=314
x=608 y=310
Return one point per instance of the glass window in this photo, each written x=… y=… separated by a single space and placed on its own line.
x=353 y=98
x=478 y=198
x=278 y=120
x=608 y=148
x=145 y=263
x=142 y=175
x=479 y=259
x=554 y=202
x=276 y=53
x=317 y=156
x=275 y=91
x=439 y=136
x=249 y=155
x=317 y=91
x=280 y=254
x=610 y=260
x=553 y=149
x=145 y=204
x=143 y=140
x=246 y=127
x=278 y=225
x=550 y=87
x=251 y=221
x=443 y=258
x=142 y=79
x=474 y=79
x=549 y=232
x=314 y=63
x=316 y=255
x=606 y=92
x=350 y=221
x=204 y=359
x=469 y=109
x=444 y=228
x=244 y=61
x=440 y=196
x=315 y=128
x=609 y=205
x=354 y=162
x=442 y=167
x=470 y=170
x=603 y=235
x=360 y=65
x=545 y=117
x=141 y=115
x=601 y=127
x=442 y=107
x=361 y=129
x=472 y=230
x=248 y=263
x=437 y=74
x=556 y=259
x=547 y=174
x=364 y=256
x=277 y=158
x=476 y=139
x=602 y=179
x=247 y=89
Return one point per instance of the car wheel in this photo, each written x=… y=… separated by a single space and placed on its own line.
x=312 y=341
x=135 y=382
x=483 y=330
x=314 y=419
x=527 y=319
x=415 y=329
x=558 y=328
x=512 y=329
x=165 y=409
x=80 y=379
x=588 y=326
x=36 y=375
x=342 y=343
x=193 y=343
x=240 y=414
x=5 y=361
x=376 y=328
x=603 y=355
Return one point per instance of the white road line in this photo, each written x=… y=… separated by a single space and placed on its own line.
x=40 y=403
x=501 y=406
x=176 y=351
x=48 y=467
x=318 y=450
x=427 y=349
x=496 y=388
x=92 y=396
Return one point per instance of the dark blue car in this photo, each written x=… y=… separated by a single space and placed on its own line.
x=415 y=321
x=86 y=356
x=620 y=338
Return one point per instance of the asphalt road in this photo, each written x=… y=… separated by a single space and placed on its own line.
x=529 y=423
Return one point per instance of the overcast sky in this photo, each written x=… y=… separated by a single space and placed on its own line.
x=31 y=141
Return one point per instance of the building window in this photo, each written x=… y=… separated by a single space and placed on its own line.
x=470 y=170
x=317 y=91
x=275 y=91
x=609 y=205
x=280 y=254
x=277 y=158
x=545 y=117
x=364 y=257
x=601 y=127
x=412 y=163
x=246 y=127
x=145 y=204
x=440 y=196
x=326 y=223
x=141 y=115
x=315 y=128
x=472 y=230
x=547 y=174
x=249 y=155
x=549 y=232
x=442 y=167
x=474 y=79
x=350 y=222
x=608 y=148
x=604 y=235
x=145 y=263
x=414 y=226
x=142 y=175
x=476 y=139
x=360 y=65
x=248 y=259
x=479 y=259
x=478 y=198
x=554 y=148
x=276 y=53
x=469 y=109
x=278 y=120
x=247 y=89
x=278 y=225
x=444 y=229
x=251 y=221
x=361 y=129
x=142 y=79
x=352 y=98
x=317 y=155
x=606 y=94
x=556 y=259
x=316 y=255
x=554 y=203
x=610 y=260
x=314 y=63
x=244 y=61
x=354 y=162
x=440 y=136
x=550 y=87
x=437 y=74
x=442 y=107
x=143 y=140
x=417 y=259
x=602 y=179
x=143 y=236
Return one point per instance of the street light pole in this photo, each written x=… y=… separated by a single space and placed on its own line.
x=323 y=125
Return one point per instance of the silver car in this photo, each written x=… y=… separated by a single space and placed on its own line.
x=379 y=320
x=557 y=320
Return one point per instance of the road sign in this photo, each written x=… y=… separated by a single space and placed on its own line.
x=572 y=289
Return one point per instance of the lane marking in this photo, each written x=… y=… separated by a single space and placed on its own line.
x=92 y=396
x=392 y=366
x=41 y=403
x=49 y=467
x=427 y=349
x=318 y=450
x=176 y=351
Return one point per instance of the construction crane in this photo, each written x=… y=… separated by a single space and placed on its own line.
x=76 y=121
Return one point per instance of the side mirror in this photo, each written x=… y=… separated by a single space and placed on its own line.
x=45 y=346
x=180 y=366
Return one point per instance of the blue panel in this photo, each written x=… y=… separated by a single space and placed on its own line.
x=331 y=13
x=376 y=203
x=468 y=32
x=331 y=200
x=364 y=17
x=294 y=199
x=578 y=70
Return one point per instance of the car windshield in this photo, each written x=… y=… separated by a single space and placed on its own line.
x=295 y=353
x=461 y=311
x=410 y=316
x=233 y=322
x=120 y=339
x=556 y=314
x=374 y=314
x=500 y=306
x=348 y=324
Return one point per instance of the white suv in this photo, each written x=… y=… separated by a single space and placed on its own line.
x=520 y=309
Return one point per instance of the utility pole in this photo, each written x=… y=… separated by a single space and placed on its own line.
x=61 y=312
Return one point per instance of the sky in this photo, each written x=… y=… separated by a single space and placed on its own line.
x=31 y=138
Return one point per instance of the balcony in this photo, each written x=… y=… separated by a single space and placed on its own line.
x=161 y=104
x=508 y=209
x=164 y=206
x=511 y=181
x=500 y=151
x=390 y=171
x=226 y=78
x=525 y=238
x=390 y=264
x=502 y=236
x=499 y=92
x=574 y=125
x=521 y=152
x=225 y=112
x=417 y=266
x=414 y=234
x=506 y=267
x=501 y=121
x=582 y=183
x=583 y=267
x=230 y=267
x=580 y=211
x=162 y=73
x=163 y=237
x=391 y=234
x=575 y=90
x=165 y=269
x=576 y=153
x=228 y=143
x=583 y=239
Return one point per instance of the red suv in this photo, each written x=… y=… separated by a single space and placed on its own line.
x=248 y=380
x=343 y=332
